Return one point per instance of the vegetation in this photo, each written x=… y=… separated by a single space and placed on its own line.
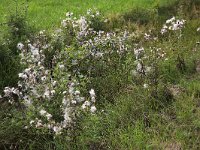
x=47 y=13
x=126 y=80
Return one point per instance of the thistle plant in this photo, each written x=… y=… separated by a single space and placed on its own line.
x=174 y=27
x=52 y=88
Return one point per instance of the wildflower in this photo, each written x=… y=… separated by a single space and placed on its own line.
x=43 y=78
x=32 y=48
x=31 y=122
x=163 y=31
x=139 y=67
x=87 y=103
x=23 y=76
x=162 y=55
x=145 y=86
x=61 y=66
x=99 y=55
x=73 y=102
x=41 y=32
x=7 y=91
x=49 y=116
x=20 y=75
x=92 y=93
x=35 y=52
x=46 y=72
x=165 y=27
x=15 y=91
x=146 y=36
x=93 y=109
x=39 y=124
x=53 y=92
x=175 y=26
x=64 y=92
x=77 y=92
x=20 y=46
x=170 y=20
x=42 y=112
x=138 y=52
x=49 y=126
x=106 y=20
x=63 y=23
x=89 y=11
x=93 y=99
x=83 y=106
x=83 y=23
x=71 y=90
x=54 y=83
x=69 y=14
x=57 y=129
x=39 y=63
x=67 y=115
x=97 y=13
x=27 y=101
x=46 y=93
x=27 y=70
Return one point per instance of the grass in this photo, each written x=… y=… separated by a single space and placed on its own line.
x=131 y=124
x=48 y=13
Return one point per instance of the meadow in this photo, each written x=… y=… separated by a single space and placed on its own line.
x=100 y=75
x=48 y=13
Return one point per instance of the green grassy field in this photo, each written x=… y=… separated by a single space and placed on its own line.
x=48 y=13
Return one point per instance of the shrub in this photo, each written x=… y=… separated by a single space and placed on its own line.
x=17 y=29
x=53 y=89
